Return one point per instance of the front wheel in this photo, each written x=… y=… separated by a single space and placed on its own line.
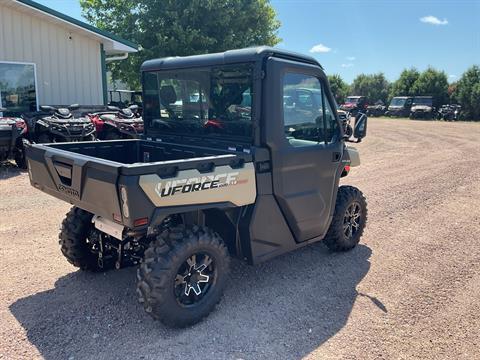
x=349 y=220
x=183 y=274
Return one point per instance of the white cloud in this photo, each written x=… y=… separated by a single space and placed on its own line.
x=346 y=65
x=433 y=20
x=350 y=58
x=320 y=48
x=452 y=76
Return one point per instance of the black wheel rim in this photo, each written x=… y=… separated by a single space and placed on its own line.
x=194 y=279
x=352 y=220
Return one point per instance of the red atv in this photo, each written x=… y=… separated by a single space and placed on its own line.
x=116 y=123
x=12 y=135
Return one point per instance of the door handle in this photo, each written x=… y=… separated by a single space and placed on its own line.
x=336 y=156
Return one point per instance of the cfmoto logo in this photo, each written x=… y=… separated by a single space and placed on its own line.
x=68 y=191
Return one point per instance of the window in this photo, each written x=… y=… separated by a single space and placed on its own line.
x=17 y=88
x=308 y=118
x=209 y=102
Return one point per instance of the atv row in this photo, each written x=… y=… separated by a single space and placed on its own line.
x=60 y=124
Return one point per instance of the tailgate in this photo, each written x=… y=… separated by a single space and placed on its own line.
x=75 y=178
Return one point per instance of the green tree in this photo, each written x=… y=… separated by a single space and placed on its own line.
x=403 y=85
x=181 y=27
x=468 y=93
x=375 y=87
x=434 y=83
x=339 y=88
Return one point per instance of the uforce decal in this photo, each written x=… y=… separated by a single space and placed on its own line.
x=192 y=184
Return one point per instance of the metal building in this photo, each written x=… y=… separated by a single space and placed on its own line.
x=47 y=57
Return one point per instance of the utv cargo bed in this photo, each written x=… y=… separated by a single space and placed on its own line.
x=116 y=179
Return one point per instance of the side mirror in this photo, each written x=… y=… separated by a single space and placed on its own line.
x=47 y=108
x=74 y=107
x=360 y=130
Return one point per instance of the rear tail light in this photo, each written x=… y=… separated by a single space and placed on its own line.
x=140 y=222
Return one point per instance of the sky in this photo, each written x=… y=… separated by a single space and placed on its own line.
x=350 y=37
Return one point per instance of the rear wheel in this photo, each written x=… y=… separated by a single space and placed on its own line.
x=79 y=241
x=183 y=274
x=348 y=221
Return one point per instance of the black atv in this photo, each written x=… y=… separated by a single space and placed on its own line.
x=376 y=110
x=450 y=112
x=54 y=124
x=12 y=133
x=116 y=123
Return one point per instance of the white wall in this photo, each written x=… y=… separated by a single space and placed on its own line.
x=68 y=70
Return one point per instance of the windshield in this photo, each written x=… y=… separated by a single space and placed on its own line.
x=423 y=101
x=208 y=102
x=352 y=100
x=398 y=102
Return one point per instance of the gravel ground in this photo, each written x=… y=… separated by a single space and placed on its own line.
x=411 y=289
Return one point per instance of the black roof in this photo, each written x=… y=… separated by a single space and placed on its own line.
x=228 y=57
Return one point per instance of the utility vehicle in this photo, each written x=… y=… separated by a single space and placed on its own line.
x=126 y=98
x=115 y=123
x=58 y=124
x=182 y=200
x=399 y=106
x=12 y=134
x=422 y=108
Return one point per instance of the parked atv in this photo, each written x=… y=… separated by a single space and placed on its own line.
x=59 y=125
x=422 y=108
x=376 y=110
x=181 y=201
x=400 y=106
x=12 y=134
x=116 y=123
x=449 y=112
x=354 y=105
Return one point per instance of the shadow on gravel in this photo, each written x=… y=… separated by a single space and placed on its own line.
x=8 y=170
x=285 y=308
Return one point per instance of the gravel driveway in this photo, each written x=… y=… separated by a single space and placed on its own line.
x=410 y=290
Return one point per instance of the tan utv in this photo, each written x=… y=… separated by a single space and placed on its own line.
x=241 y=156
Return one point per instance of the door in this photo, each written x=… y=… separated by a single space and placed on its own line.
x=303 y=134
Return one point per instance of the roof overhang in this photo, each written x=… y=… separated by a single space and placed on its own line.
x=112 y=44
